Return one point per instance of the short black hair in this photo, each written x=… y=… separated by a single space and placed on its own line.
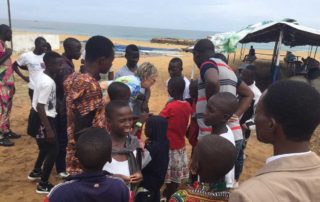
x=51 y=57
x=295 y=106
x=226 y=102
x=98 y=46
x=176 y=86
x=4 y=28
x=93 y=148
x=118 y=91
x=69 y=42
x=176 y=60
x=38 y=40
x=132 y=48
x=114 y=105
x=204 y=45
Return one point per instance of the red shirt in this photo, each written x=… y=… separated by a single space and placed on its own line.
x=178 y=114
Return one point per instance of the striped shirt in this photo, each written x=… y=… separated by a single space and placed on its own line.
x=228 y=83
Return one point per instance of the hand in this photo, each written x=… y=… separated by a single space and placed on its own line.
x=50 y=136
x=145 y=107
x=136 y=178
x=125 y=178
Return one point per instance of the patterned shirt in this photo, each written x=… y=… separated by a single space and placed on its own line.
x=6 y=70
x=83 y=94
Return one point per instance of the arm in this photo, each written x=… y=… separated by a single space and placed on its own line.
x=17 y=70
x=7 y=54
x=145 y=107
x=212 y=82
x=50 y=136
x=246 y=96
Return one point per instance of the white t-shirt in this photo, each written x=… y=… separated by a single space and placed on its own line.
x=45 y=93
x=35 y=65
x=256 y=93
x=186 y=94
x=229 y=178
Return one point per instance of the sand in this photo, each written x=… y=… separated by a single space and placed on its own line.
x=16 y=162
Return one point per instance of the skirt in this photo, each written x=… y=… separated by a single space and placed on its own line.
x=178 y=166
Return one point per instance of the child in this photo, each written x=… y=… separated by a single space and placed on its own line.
x=178 y=113
x=221 y=154
x=175 y=70
x=193 y=129
x=220 y=108
x=44 y=103
x=158 y=146
x=132 y=56
x=93 y=150
x=119 y=91
x=126 y=150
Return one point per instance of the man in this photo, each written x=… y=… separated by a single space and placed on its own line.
x=286 y=117
x=72 y=51
x=7 y=88
x=132 y=56
x=33 y=62
x=85 y=106
x=216 y=76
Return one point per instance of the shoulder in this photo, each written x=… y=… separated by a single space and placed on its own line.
x=58 y=192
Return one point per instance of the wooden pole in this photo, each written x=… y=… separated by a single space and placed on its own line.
x=315 y=52
x=276 y=70
x=9 y=16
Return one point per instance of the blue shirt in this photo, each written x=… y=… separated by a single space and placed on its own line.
x=90 y=187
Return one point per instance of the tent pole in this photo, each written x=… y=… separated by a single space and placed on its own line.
x=234 y=56
x=274 y=54
x=311 y=51
x=276 y=71
x=315 y=52
x=241 y=51
x=9 y=16
x=192 y=71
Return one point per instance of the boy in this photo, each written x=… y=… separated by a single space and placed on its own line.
x=287 y=115
x=221 y=154
x=132 y=56
x=93 y=150
x=7 y=87
x=119 y=91
x=44 y=103
x=175 y=70
x=178 y=113
x=220 y=108
x=33 y=62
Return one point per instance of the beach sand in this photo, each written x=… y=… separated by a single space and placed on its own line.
x=16 y=162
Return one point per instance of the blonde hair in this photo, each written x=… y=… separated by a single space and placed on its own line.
x=146 y=70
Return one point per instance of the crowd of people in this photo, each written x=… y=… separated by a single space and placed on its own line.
x=91 y=129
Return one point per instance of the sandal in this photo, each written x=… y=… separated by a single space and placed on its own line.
x=6 y=142
x=11 y=135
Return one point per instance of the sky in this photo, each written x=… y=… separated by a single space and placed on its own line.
x=207 y=15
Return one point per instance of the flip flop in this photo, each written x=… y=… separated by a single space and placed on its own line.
x=12 y=135
x=6 y=142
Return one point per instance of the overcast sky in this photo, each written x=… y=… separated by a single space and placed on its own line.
x=211 y=15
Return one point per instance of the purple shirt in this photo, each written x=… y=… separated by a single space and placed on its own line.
x=90 y=187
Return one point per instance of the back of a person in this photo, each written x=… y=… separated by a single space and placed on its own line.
x=180 y=112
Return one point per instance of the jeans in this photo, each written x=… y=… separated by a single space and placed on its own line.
x=62 y=138
x=239 y=159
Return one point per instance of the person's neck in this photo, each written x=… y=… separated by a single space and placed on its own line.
x=67 y=56
x=92 y=170
x=37 y=52
x=289 y=147
x=91 y=69
x=132 y=68
x=220 y=128
x=118 y=138
x=180 y=98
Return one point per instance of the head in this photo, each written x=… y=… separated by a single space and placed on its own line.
x=5 y=33
x=132 y=55
x=202 y=51
x=288 y=111
x=193 y=89
x=72 y=48
x=175 y=67
x=49 y=48
x=176 y=87
x=219 y=152
x=119 y=118
x=93 y=149
x=221 y=57
x=156 y=128
x=53 y=62
x=99 y=53
x=119 y=91
x=148 y=74
x=248 y=74
x=251 y=47
x=40 y=45
x=220 y=108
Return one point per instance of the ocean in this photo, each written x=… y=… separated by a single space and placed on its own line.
x=124 y=32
